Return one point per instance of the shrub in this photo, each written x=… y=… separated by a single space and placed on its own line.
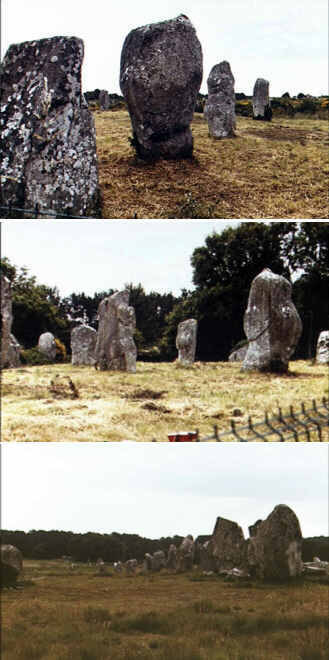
x=33 y=357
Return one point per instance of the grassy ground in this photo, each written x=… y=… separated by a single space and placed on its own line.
x=160 y=398
x=270 y=170
x=79 y=615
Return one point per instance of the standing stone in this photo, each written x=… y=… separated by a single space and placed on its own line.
x=186 y=341
x=322 y=348
x=275 y=550
x=220 y=105
x=147 y=564
x=185 y=554
x=115 y=346
x=160 y=76
x=227 y=545
x=207 y=560
x=261 y=104
x=271 y=323
x=83 y=343
x=11 y=564
x=172 y=557
x=47 y=346
x=158 y=561
x=48 y=155
x=103 y=100
x=131 y=566
x=10 y=356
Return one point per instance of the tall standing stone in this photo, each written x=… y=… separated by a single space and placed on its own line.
x=104 y=100
x=47 y=346
x=10 y=356
x=261 y=104
x=186 y=341
x=322 y=348
x=83 y=343
x=227 y=544
x=11 y=564
x=220 y=105
x=115 y=346
x=48 y=156
x=172 y=557
x=185 y=554
x=271 y=323
x=160 y=76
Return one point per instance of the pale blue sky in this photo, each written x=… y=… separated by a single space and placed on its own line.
x=160 y=489
x=285 y=42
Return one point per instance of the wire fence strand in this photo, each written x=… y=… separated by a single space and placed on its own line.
x=36 y=213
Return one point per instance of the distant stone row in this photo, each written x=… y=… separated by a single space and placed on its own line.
x=48 y=153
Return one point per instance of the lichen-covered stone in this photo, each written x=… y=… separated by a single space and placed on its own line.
x=261 y=104
x=227 y=545
x=11 y=564
x=115 y=346
x=220 y=106
x=186 y=341
x=322 y=348
x=160 y=76
x=47 y=346
x=271 y=323
x=48 y=146
x=83 y=343
x=10 y=353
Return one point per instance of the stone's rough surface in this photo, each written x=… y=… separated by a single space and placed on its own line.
x=160 y=76
x=271 y=323
x=158 y=561
x=10 y=356
x=261 y=101
x=47 y=346
x=227 y=545
x=322 y=348
x=186 y=341
x=104 y=100
x=115 y=346
x=172 y=557
x=48 y=154
x=83 y=343
x=274 y=551
x=185 y=554
x=11 y=564
x=238 y=355
x=220 y=105
x=253 y=528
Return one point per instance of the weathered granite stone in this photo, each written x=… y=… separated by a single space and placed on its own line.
x=253 y=528
x=48 y=146
x=158 y=561
x=47 y=346
x=261 y=104
x=238 y=355
x=11 y=564
x=186 y=341
x=185 y=554
x=227 y=545
x=104 y=100
x=220 y=106
x=83 y=343
x=115 y=346
x=172 y=557
x=160 y=76
x=10 y=356
x=274 y=551
x=322 y=348
x=271 y=323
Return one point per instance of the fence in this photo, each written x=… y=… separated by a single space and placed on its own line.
x=36 y=213
x=307 y=424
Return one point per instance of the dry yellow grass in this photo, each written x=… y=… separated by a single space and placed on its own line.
x=270 y=170
x=160 y=398
x=81 y=616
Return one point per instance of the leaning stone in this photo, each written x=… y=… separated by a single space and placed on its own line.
x=10 y=348
x=322 y=348
x=186 y=341
x=261 y=101
x=227 y=545
x=271 y=323
x=239 y=354
x=49 y=155
x=83 y=343
x=11 y=564
x=115 y=346
x=275 y=551
x=47 y=346
x=104 y=100
x=220 y=105
x=160 y=76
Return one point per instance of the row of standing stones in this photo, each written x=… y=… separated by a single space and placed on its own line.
x=273 y=551
x=271 y=322
x=48 y=154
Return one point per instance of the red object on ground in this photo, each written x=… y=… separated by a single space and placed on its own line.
x=183 y=436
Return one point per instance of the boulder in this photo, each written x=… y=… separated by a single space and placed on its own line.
x=160 y=76
x=10 y=355
x=47 y=346
x=271 y=323
x=158 y=561
x=239 y=354
x=48 y=156
x=322 y=348
x=185 y=554
x=115 y=346
x=261 y=104
x=11 y=564
x=220 y=105
x=83 y=343
x=274 y=552
x=227 y=545
x=186 y=341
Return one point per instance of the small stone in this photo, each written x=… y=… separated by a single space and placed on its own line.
x=47 y=346
x=11 y=564
x=322 y=348
x=83 y=343
x=186 y=341
x=220 y=105
x=261 y=101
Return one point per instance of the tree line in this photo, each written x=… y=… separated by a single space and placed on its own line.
x=223 y=269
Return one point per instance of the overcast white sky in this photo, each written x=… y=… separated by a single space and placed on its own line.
x=283 y=41
x=161 y=489
x=82 y=256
